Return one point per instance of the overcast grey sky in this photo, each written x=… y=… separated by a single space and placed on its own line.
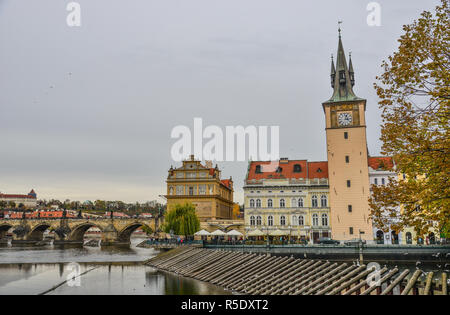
x=86 y=112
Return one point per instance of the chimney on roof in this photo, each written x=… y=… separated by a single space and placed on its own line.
x=284 y=160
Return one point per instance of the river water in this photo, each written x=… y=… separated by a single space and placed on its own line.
x=37 y=270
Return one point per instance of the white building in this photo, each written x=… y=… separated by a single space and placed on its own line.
x=289 y=202
x=380 y=170
x=28 y=201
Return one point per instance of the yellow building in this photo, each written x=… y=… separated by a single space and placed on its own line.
x=290 y=201
x=202 y=186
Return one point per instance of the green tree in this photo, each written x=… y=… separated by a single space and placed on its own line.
x=3 y=204
x=12 y=204
x=414 y=93
x=182 y=220
x=147 y=230
x=100 y=205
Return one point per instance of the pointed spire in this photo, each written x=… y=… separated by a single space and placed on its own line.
x=333 y=71
x=342 y=82
x=350 y=70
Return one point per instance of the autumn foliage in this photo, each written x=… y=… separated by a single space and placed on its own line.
x=414 y=92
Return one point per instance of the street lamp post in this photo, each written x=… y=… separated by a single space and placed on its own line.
x=360 y=247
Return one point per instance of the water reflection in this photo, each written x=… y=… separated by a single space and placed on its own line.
x=110 y=270
x=99 y=279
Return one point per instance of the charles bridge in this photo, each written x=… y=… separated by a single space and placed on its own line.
x=114 y=231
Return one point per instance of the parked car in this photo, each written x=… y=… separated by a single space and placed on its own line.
x=327 y=240
x=354 y=242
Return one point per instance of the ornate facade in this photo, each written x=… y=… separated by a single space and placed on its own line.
x=202 y=186
x=290 y=201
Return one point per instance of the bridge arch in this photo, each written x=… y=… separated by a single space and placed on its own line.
x=4 y=228
x=37 y=233
x=124 y=236
x=77 y=233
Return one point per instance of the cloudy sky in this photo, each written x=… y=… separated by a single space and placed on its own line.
x=86 y=112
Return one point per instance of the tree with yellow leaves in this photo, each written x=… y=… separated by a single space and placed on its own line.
x=414 y=92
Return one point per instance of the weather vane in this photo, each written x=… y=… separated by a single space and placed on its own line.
x=339 y=27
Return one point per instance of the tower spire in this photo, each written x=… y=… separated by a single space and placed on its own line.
x=350 y=69
x=343 y=78
x=333 y=71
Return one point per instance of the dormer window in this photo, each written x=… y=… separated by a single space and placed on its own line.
x=297 y=168
x=319 y=170
x=258 y=169
x=279 y=170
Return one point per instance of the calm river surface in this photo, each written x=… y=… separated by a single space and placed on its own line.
x=35 y=270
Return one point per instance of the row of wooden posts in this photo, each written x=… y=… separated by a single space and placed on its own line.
x=263 y=274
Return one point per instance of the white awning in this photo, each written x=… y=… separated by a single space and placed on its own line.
x=278 y=233
x=218 y=232
x=255 y=233
x=202 y=233
x=234 y=233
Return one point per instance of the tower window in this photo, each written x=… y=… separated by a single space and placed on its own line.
x=347 y=159
x=345 y=135
x=351 y=230
x=349 y=208
x=348 y=183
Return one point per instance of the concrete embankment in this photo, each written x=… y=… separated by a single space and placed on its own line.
x=263 y=274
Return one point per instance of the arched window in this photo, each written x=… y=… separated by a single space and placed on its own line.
x=314 y=201
x=282 y=203
x=258 y=220
x=301 y=220
x=293 y=203
x=408 y=238
x=270 y=220
x=258 y=203
x=324 y=219
x=258 y=169
x=294 y=220
x=297 y=168
x=269 y=203
x=252 y=220
x=282 y=220
x=300 y=202
x=323 y=201
x=315 y=219
x=170 y=190
x=252 y=203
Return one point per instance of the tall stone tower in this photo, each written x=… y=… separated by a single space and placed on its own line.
x=347 y=154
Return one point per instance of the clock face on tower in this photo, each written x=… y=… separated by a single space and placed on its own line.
x=345 y=119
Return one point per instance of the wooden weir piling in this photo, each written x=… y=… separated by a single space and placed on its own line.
x=263 y=274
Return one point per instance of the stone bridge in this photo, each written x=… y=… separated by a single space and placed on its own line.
x=71 y=231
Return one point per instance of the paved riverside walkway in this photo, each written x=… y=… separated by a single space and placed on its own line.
x=264 y=274
x=398 y=253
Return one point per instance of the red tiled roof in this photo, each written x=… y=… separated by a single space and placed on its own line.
x=17 y=196
x=318 y=169
x=308 y=170
x=381 y=162
x=226 y=183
